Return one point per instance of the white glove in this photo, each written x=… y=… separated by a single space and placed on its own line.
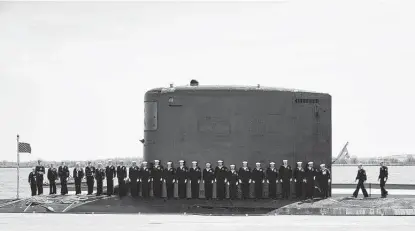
x=198 y=181
x=212 y=181
x=329 y=180
x=314 y=178
x=305 y=181
x=203 y=181
x=139 y=180
x=164 y=180
x=291 y=180
x=268 y=181
x=185 y=181
x=174 y=180
x=281 y=180
x=237 y=183
x=253 y=181
x=226 y=180
x=215 y=180
x=240 y=181
x=295 y=180
x=250 y=181
x=149 y=180
x=161 y=179
x=228 y=183
x=263 y=181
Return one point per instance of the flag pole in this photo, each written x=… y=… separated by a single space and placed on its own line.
x=18 y=167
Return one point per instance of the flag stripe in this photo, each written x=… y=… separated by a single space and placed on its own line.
x=25 y=147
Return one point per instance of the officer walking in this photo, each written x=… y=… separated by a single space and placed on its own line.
x=383 y=177
x=52 y=176
x=298 y=179
x=145 y=178
x=233 y=182
x=208 y=178
x=90 y=174
x=285 y=173
x=110 y=174
x=32 y=181
x=195 y=175
x=309 y=178
x=361 y=178
x=324 y=180
x=258 y=179
x=157 y=178
x=272 y=178
x=100 y=177
x=169 y=179
x=40 y=171
x=221 y=173
x=133 y=174
x=63 y=173
x=121 y=176
x=245 y=179
x=78 y=174
x=181 y=176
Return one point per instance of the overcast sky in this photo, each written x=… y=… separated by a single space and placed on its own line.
x=73 y=75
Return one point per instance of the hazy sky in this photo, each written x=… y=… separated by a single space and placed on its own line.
x=73 y=75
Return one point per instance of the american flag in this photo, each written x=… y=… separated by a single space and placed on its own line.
x=25 y=147
x=346 y=153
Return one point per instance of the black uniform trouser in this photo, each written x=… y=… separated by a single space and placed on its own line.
x=99 y=187
x=39 y=183
x=309 y=189
x=33 y=188
x=298 y=189
x=182 y=189
x=170 y=189
x=233 y=188
x=157 y=186
x=324 y=186
x=359 y=186
x=286 y=188
x=220 y=189
x=195 y=189
x=382 y=187
x=52 y=187
x=245 y=189
x=121 y=187
x=258 y=189
x=64 y=186
x=272 y=189
x=78 y=189
x=134 y=188
x=208 y=189
x=110 y=186
x=90 y=182
x=145 y=186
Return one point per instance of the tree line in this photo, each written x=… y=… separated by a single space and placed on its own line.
x=70 y=163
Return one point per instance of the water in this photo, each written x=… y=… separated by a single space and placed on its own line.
x=341 y=174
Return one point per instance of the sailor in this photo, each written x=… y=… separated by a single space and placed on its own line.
x=52 y=176
x=133 y=174
x=40 y=171
x=181 y=176
x=272 y=178
x=78 y=174
x=285 y=173
x=245 y=179
x=195 y=175
x=157 y=178
x=145 y=178
x=121 y=176
x=63 y=173
x=309 y=180
x=169 y=179
x=208 y=178
x=298 y=180
x=258 y=180
x=383 y=177
x=110 y=174
x=324 y=180
x=233 y=182
x=32 y=181
x=90 y=174
x=361 y=178
x=100 y=177
x=221 y=173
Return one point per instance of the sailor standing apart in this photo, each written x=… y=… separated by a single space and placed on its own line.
x=181 y=176
x=383 y=177
x=208 y=178
x=63 y=173
x=121 y=176
x=133 y=174
x=195 y=175
x=233 y=182
x=40 y=171
x=221 y=173
x=100 y=177
x=361 y=178
x=324 y=180
x=78 y=174
x=309 y=179
x=52 y=176
x=272 y=178
x=245 y=179
x=157 y=178
x=258 y=180
x=145 y=178
x=110 y=174
x=285 y=178
x=298 y=179
x=90 y=174
x=32 y=181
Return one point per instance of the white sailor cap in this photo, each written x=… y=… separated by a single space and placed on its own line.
x=244 y=162
x=232 y=165
x=157 y=161
x=299 y=162
x=194 y=162
x=181 y=161
x=133 y=161
x=169 y=162
x=257 y=163
x=272 y=163
x=310 y=163
x=144 y=162
x=220 y=161
x=322 y=165
x=284 y=160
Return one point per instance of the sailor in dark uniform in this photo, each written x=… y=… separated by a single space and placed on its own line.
x=309 y=180
x=169 y=178
x=32 y=181
x=110 y=174
x=100 y=177
x=298 y=180
x=181 y=176
x=195 y=175
x=78 y=174
x=157 y=178
x=208 y=178
x=272 y=178
x=40 y=171
x=133 y=174
x=285 y=173
x=63 y=173
x=145 y=178
x=90 y=175
x=121 y=176
x=324 y=180
x=258 y=180
x=361 y=178
x=383 y=177
x=245 y=179
x=221 y=173
x=52 y=177
x=233 y=181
